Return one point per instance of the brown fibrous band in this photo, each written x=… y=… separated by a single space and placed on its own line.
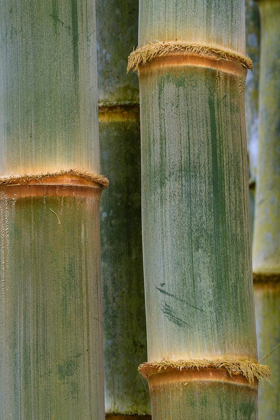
x=266 y=277
x=147 y=53
x=128 y=417
x=66 y=177
x=249 y=370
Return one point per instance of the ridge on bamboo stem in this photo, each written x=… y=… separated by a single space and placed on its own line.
x=195 y=218
x=266 y=244
x=50 y=187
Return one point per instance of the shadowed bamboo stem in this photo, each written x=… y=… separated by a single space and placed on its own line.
x=195 y=212
x=126 y=393
x=252 y=99
x=50 y=186
x=266 y=246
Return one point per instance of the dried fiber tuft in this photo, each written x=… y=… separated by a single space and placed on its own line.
x=246 y=368
x=26 y=179
x=150 y=51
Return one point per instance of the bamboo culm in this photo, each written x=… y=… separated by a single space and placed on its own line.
x=266 y=244
x=126 y=393
x=50 y=186
x=195 y=211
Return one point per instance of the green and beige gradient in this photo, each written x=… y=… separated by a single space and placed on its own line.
x=126 y=393
x=266 y=245
x=195 y=211
x=50 y=186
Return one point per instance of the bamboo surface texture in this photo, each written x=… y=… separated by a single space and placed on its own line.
x=195 y=211
x=50 y=296
x=126 y=393
x=266 y=246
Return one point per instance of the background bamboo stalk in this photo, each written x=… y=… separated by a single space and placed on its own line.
x=252 y=98
x=266 y=246
x=121 y=249
x=199 y=295
x=50 y=300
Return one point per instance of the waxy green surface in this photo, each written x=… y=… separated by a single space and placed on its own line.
x=48 y=85
x=195 y=210
x=267 y=304
x=50 y=309
x=266 y=247
x=51 y=364
x=219 y=22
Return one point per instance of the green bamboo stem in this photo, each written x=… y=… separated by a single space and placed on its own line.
x=267 y=302
x=195 y=212
x=50 y=300
x=266 y=246
x=125 y=345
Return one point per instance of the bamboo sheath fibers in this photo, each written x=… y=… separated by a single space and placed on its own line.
x=126 y=393
x=266 y=245
x=50 y=187
x=195 y=212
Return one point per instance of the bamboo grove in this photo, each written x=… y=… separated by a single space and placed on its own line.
x=149 y=299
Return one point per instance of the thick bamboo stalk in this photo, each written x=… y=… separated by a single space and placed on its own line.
x=50 y=300
x=197 y=265
x=121 y=250
x=266 y=246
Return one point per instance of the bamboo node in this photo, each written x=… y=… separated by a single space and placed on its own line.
x=147 y=53
x=246 y=368
x=40 y=178
x=266 y=277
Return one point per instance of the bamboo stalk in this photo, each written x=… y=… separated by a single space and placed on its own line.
x=252 y=99
x=126 y=393
x=202 y=358
x=252 y=85
x=50 y=186
x=266 y=246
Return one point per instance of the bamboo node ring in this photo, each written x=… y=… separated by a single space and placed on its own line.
x=250 y=370
x=78 y=176
x=147 y=53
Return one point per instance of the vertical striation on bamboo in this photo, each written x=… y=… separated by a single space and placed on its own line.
x=266 y=245
x=50 y=296
x=195 y=209
x=125 y=345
